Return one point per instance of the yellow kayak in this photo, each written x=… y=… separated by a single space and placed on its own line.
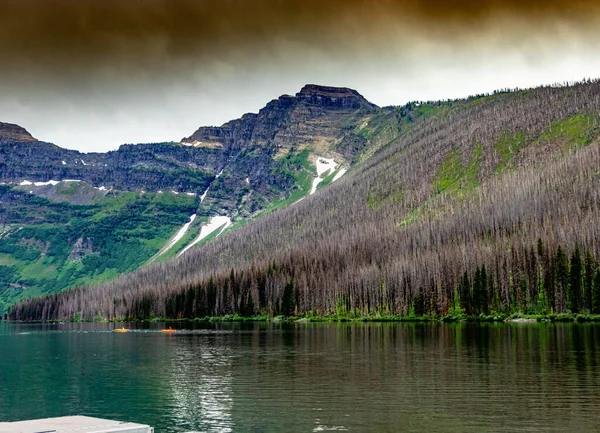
x=167 y=330
x=121 y=330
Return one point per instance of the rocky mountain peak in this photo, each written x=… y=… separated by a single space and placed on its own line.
x=327 y=96
x=10 y=131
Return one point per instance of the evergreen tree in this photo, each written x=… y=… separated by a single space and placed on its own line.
x=590 y=266
x=574 y=292
x=549 y=270
x=465 y=293
x=523 y=299
x=287 y=302
x=596 y=293
x=249 y=311
x=419 y=305
x=540 y=247
x=211 y=297
x=561 y=278
x=483 y=277
x=477 y=298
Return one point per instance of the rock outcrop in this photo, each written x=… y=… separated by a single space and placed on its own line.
x=11 y=132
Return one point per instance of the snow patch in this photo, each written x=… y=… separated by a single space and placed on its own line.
x=50 y=182
x=101 y=188
x=203 y=196
x=213 y=224
x=159 y=192
x=316 y=181
x=191 y=193
x=219 y=175
x=182 y=231
x=83 y=162
x=205 y=144
x=324 y=166
x=64 y=163
x=175 y=192
x=248 y=180
x=340 y=173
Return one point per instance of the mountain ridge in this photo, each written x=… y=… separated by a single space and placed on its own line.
x=247 y=166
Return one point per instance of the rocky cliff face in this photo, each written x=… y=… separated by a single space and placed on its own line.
x=317 y=119
x=11 y=132
x=315 y=114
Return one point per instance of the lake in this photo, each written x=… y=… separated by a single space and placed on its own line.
x=269 y=377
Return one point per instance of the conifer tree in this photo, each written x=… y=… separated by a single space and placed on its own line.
x=588 y=280
x=249 y=311
x=465 y=294
x=483 y=283
x=549 y=271
x=561 y=278
x=477 y=298
x=524 y=298
x=419 y=305
x=574 y=292
x=596 y=293
x=287 y=302
x=540 y=247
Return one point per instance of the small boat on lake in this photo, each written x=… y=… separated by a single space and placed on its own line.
x=121 y=330
x=167 y=330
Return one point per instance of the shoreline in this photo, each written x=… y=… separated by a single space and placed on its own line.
x=451 y=318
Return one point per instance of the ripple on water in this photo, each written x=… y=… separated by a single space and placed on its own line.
x=355 y=377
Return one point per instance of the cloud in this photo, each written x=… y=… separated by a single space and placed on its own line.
x=92 y=74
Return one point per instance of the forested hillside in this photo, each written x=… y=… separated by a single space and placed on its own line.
x=484 y=205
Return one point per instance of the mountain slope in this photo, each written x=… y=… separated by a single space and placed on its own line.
x=69 y=218
x=489 y=187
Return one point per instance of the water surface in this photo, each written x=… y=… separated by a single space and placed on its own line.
x=381 y=377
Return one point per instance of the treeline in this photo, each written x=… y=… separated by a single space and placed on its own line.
x=388 y=239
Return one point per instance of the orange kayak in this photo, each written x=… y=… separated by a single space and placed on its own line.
x=167 y=330
x=121 y=330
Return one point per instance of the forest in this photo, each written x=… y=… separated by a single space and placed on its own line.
x=490 y=206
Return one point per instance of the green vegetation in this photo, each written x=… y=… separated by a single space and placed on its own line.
x=295 y=166
x=453 y=176
x=509 y=145
x=328 y=179
x=376 y=199
x=574 y=131
x=70 y=245
x=316 y=318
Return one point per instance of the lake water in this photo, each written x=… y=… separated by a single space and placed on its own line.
x=380 y=377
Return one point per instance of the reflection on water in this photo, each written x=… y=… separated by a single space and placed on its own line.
x=200 y=384
x=308 y=377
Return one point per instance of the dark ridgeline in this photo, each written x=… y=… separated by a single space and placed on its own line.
x=494 y=201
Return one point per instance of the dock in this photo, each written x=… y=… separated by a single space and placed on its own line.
x=73 y=424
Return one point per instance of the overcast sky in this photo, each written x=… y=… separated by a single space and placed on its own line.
x=91 y=74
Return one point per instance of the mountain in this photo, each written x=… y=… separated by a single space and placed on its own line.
x=486 y=205
x=69 y=218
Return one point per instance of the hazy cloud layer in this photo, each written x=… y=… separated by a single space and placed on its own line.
x=95 y=73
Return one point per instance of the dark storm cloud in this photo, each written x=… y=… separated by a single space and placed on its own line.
x=157 y=69
x=88 y=33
